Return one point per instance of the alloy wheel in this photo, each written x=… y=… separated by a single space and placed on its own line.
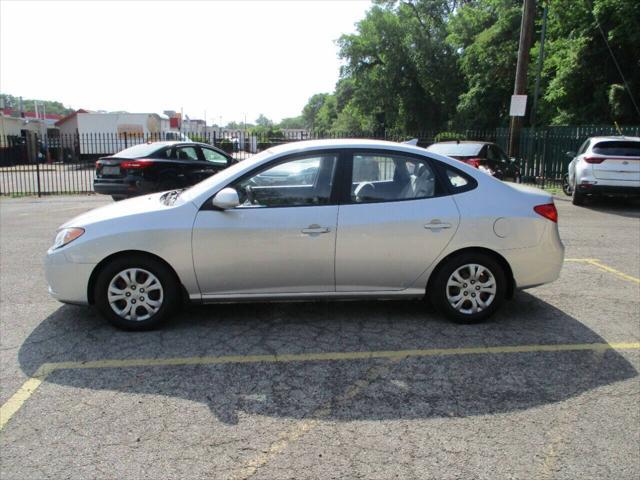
x=135 y=294
x=471 y=288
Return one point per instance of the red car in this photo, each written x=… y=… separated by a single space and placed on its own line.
x=486 y=156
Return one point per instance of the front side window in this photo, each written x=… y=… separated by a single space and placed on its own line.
x=297 y=182
x=387 y=177
x=187 y=153
x=214 y=157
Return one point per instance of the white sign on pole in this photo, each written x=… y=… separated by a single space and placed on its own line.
x=518 y=105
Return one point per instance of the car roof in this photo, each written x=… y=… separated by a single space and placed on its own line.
x=169 y=143
x=479 y=142
x=614 y=138
x=343 y=143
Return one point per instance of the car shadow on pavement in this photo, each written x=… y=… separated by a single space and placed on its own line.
x=622 y=206
x=343 y=390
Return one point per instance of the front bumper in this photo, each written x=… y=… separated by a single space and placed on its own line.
x=68 y=281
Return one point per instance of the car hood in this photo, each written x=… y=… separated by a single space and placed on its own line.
x=124 y=208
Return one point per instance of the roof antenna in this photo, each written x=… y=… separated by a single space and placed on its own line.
x=413 y=141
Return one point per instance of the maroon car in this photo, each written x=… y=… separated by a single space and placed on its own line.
x=486 y=156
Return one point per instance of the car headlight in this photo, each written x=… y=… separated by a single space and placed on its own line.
x=66 y=236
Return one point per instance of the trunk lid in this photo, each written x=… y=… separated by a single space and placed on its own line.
x=616 y=168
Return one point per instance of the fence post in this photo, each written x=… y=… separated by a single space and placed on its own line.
x=37 y=157
x=544 y=156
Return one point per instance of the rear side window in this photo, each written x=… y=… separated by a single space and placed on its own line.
x=618 y=148
x=386 y=177
x=456 y=180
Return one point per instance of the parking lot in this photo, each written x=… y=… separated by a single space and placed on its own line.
x=548 y=388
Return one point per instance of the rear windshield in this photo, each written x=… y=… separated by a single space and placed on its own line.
x=618 y=148
x=139 y=151
x=456 y=149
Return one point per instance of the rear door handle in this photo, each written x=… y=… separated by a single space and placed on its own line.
x=315 y=228
x=436 y=225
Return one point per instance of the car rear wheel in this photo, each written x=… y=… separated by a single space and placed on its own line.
x=117 y=198
x=136 y=293
x=469 y=287
x=566 y=185
x=578 y=198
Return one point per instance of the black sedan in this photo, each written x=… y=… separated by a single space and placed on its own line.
x=486 y=156
x=156 y=167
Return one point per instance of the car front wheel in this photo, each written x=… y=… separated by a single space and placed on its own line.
x=469 y=287
x=136 y=293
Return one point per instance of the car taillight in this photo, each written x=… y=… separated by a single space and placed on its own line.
x=98 y=165
x=136 y=164
x=474 y=162
x=594 y=159
x=548 y=211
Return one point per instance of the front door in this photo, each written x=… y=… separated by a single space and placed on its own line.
x=397 y=222
x=281 y=239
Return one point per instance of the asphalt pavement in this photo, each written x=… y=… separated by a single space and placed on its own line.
x=548 y=388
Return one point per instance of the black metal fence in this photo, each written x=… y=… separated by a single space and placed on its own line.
x=32 y=164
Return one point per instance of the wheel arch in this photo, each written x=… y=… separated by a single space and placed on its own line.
x=486 y=251
x=124 y=253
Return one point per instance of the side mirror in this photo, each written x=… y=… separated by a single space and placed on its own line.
x=225 y=199
x=571 y=155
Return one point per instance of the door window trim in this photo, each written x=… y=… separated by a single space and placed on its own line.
x=345 y=197
x=333 y=194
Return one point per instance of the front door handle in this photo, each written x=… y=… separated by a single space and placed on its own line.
x=315 y=228
x=436 y=225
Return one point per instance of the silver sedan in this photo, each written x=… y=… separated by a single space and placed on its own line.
x=334 y=219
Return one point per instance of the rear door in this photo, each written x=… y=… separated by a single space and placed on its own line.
x=616 y=160
x=394 y=223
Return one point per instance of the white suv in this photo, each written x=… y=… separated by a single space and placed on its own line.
x=605 y=166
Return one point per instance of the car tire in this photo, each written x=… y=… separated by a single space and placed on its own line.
x=117 y=198
x=136 y=292
x=578 y=198
x=463 y=303
x=566 y=186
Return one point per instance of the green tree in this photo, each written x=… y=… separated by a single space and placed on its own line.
x=28 y=105
x=292 y=122
x=263 y=121
x=397 y=63
x=312 y=108
x=485 y=34
x=580 y=81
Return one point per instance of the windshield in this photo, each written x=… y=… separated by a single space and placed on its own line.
x=456 y=149
x=139 y=151
x=223 y=175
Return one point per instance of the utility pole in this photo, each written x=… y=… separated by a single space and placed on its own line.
x=536 y=92
x=520 y=85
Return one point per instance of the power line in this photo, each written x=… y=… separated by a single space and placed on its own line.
x=613 y=57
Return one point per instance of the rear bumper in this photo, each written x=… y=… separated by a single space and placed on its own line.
x=537 y=265
x=126 y=186
x=609 y=190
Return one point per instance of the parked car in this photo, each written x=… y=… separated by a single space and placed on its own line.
x=418 y=225
x=486 y=156
x=604 y=166
x=156 y=167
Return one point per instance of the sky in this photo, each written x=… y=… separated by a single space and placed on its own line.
x=226 y=58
